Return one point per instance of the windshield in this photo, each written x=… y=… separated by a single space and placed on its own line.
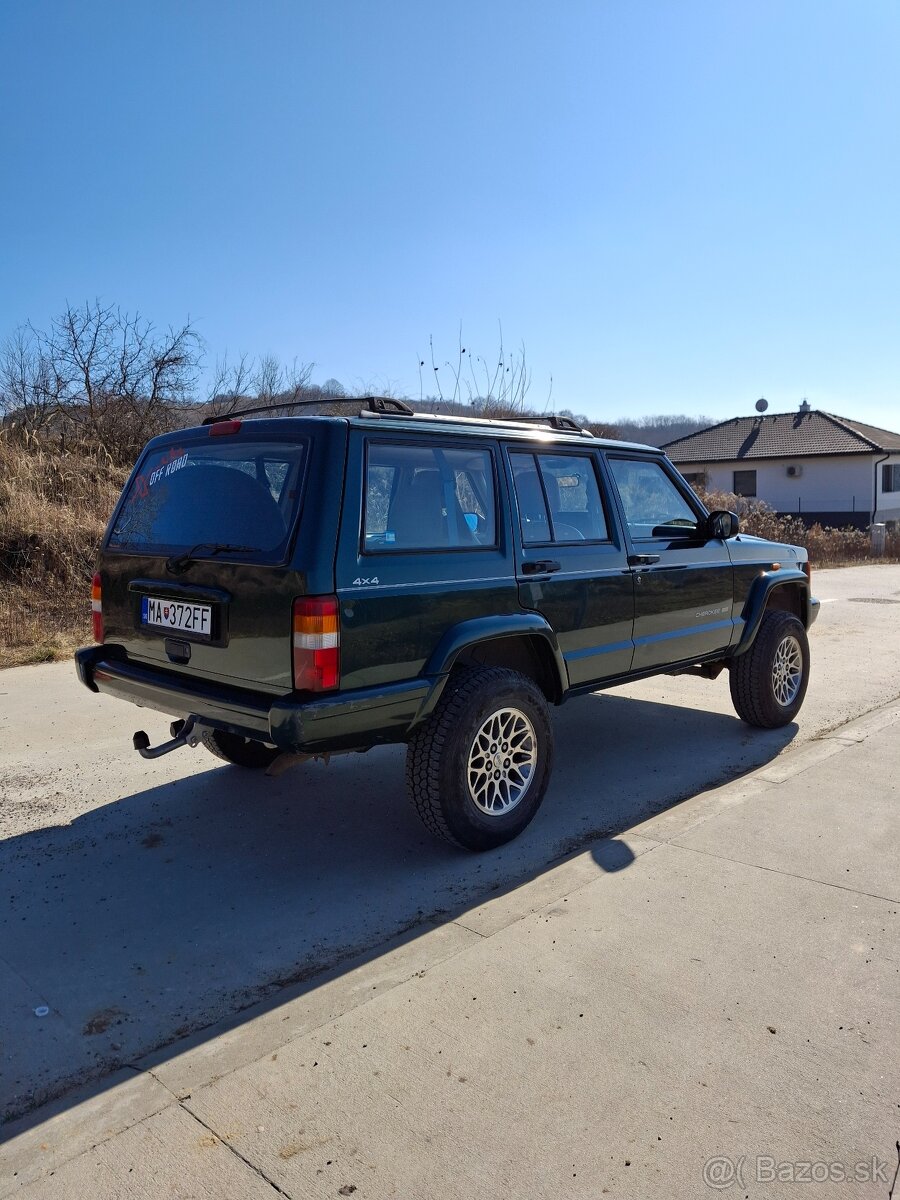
x=242 y=492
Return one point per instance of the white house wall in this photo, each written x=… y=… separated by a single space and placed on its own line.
x=832 y=483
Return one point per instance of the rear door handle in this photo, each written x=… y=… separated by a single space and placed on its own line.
x=642 y=560
x=542 y=566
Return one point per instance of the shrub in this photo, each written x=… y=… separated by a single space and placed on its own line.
x=826 y=546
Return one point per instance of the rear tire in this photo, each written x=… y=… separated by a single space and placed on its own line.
x=240 y=751
x=769 y=681
x=478 y=768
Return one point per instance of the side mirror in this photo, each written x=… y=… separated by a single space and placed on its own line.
x=722 y=524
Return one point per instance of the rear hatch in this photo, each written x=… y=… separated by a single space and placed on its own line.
x=210 y=544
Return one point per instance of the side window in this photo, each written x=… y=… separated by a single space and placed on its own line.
x=744 y=483
x=558 y=498
x=428 y=497
x=276 y=476
x=653 y=505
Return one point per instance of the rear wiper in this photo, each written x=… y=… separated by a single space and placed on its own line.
x=180 y=562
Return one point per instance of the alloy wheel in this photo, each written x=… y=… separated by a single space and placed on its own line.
x=502 y=761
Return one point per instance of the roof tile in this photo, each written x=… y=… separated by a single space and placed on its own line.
x=781 y=435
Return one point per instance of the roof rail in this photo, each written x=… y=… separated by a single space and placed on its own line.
x=376 y=404
x=387 y=406
x=555 y=421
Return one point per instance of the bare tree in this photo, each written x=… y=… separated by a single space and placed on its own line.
x=29 y=391
x=98 y=376
x=259 y=381
x=230 y=385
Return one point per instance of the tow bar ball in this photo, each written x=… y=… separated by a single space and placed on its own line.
x=183 y=734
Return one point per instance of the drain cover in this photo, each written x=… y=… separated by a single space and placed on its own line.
x=872 y=600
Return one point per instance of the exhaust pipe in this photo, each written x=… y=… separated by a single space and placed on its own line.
x=183 y=734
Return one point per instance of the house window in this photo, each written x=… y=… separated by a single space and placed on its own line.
x=890 y=477
x=697 y=479
x=744 y=483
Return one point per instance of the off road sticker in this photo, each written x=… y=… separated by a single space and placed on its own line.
x=173 y=460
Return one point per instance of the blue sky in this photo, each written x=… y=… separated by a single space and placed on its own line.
x=674 y=206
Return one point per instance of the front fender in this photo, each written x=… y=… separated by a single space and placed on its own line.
x=486 y=629
x=758 y=598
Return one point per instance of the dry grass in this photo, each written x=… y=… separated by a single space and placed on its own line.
x=53 y=510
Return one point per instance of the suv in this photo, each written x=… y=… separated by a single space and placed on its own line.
x=296 y=586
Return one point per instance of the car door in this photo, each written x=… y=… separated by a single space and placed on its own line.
x=683 y=581
x=423 y=546
x=570 y=559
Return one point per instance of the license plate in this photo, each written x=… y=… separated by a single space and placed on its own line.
x=195 y=619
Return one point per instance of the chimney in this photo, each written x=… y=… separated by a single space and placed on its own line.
x=804 y=407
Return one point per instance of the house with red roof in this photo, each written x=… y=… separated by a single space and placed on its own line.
x=811 y=464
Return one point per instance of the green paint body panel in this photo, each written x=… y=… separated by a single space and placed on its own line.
x=593 y=616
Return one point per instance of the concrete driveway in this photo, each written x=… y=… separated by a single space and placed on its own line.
x=145 y=901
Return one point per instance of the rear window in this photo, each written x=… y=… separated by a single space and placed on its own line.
x=242 y=492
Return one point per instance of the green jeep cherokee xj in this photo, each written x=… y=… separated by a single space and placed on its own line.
x=304 y=585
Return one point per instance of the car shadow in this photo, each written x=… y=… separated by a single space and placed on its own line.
x=156 y=915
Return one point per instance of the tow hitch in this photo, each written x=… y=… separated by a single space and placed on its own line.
x=183 y=734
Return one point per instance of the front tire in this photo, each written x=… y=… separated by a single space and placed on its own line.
x=240 y=751
x=478 y=768
x=769 y=681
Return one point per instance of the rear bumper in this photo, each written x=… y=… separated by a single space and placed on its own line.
x=814 y=606
x=349 y=720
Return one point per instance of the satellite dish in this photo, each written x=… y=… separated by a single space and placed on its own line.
x=762 y=405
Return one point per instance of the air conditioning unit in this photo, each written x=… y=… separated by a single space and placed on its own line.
x=794 y=472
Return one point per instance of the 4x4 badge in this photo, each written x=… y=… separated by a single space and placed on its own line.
x=359 y=582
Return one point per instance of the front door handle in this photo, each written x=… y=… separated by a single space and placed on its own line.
x=542 y=566
x=642 y=560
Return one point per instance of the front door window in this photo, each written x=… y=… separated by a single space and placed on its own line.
x=654 y=507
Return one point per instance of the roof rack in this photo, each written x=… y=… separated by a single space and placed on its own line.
x=387 y=406
x=376 y=404
x=562 y=424
x=555 y=421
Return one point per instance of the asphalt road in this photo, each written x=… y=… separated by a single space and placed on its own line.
x=144 y=901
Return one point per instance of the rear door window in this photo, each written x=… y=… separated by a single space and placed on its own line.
x=425 y=497
x=241 y=492
x=558 y=498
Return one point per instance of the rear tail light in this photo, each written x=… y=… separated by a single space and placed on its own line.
x=97 y=609
x=317 y=644
x=807 y=571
